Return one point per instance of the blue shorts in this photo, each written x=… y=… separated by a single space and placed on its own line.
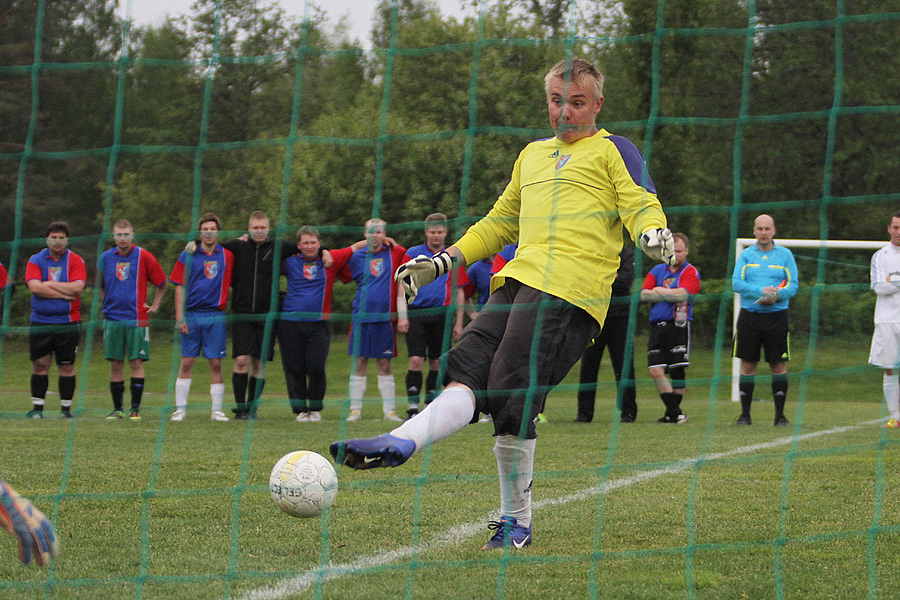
x=206 y=330
x=375 y=340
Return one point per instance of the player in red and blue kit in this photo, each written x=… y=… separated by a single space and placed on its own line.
x=670 y=288
x=375 y=302
x=4 y=279
x=125 y=272
x=427 y=314
x=303 y=333
x=200 y=313
x=55 y=277
x=479 y=276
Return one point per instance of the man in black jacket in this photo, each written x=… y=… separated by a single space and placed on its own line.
x=255 y=315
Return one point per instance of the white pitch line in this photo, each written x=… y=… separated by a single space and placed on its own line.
x=461 y=533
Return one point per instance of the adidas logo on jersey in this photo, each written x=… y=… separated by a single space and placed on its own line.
x=554 y=155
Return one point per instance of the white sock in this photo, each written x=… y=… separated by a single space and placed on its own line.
x=217 y=391
x=449 y=412
x=388 y=390
x=891 y=388
x=182 y=389
x=515 y=465
x=357 y=389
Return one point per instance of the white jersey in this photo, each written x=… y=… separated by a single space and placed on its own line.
x=886 y=268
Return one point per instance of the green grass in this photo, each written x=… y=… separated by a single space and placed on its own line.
x=155 y=509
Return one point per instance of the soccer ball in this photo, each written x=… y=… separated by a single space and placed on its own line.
x=303 y=483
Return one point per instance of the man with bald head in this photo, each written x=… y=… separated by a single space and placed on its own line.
x=765 y=275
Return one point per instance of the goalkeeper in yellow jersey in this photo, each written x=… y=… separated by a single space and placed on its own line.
x=566 y=203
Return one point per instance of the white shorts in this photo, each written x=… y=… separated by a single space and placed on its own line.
x=885 y=351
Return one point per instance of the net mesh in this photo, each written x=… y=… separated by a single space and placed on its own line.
x=157 y=512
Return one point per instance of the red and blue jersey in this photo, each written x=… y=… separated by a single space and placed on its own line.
x=208 y=280
x=4 y=276
x=686 y=276
x=440 y=291
x=124 y=279
x=504 y=256
x=479 y=276
x=309 y=286
x=376 y=292
x=67 y=268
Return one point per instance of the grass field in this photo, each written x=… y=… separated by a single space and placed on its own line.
x=155 y=509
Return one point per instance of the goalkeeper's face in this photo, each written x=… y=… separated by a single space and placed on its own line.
x=573 y=110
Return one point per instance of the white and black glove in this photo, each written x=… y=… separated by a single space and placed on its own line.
x=659 y=245
x=421 y=271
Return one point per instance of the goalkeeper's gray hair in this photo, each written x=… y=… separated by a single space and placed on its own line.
x=578 y=70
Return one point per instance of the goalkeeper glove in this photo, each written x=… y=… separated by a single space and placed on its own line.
x=421 y=271
x=659 y=245
x=30 y=527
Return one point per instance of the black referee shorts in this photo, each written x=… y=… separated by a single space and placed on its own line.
x=769 y=331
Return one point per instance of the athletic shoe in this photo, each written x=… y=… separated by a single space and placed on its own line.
x=302 y=417
x=65 y=413
x=743 y=420
x=485 y=419
x=368 y=453
x=541 y=418
x=509 y=534
x=241 y=416
x=666 y=419
x=392 y=416
x=681 y=418
x=35 y=414
x=631 y=418
x=892 y=424
x=412 y=411
x=781 y=421
x=178 y=415
x=134 y=416
x=354 y=415
x=218 y=415
x=315 y=416
x=116 y=414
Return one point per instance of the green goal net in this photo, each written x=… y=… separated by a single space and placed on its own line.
x=739 y=107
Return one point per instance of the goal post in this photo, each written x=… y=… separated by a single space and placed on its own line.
x=742 y=243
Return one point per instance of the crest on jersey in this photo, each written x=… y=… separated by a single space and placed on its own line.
x=562 y=161
x=210 y=269
x=376 y=266
x=122 y=271
x=54 y=273
x=310 y=270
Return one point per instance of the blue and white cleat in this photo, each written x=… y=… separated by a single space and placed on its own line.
x=509 y=534
x=370 y=453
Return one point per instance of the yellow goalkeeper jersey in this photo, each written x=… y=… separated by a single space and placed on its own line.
x=566 y=204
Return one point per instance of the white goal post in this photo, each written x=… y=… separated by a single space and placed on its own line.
x=742 y=243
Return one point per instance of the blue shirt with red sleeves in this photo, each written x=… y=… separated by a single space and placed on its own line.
x=209 y=278
x=67 y=268
x=376 y=292
x=479 y=276
x=440 y=291
x=309 y=286
x=124 y=279
x=686 y=276
x=504 y=256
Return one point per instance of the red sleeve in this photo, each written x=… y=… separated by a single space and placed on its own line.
x=226 y=279
x=649 y=282
x=177 y=276
x=155 y=274
x=77 y=270
x=499 y=261
x=4 y=277
x=462 y=280
x=338 y=267
x=690 y=280
x=32 y=271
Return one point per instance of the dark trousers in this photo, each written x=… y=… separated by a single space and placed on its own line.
x=304 y=350
x=613 y=336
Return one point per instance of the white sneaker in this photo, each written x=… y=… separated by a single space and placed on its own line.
x=485 y=419
x=315 y=416
x=354 y=415
x=218 y=415
x=303 y=417
x=178 y=415
x=392 y=416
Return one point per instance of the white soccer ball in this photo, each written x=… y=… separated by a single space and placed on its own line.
x=303 y=483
